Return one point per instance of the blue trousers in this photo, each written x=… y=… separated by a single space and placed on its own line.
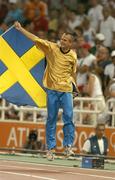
x=55 y=100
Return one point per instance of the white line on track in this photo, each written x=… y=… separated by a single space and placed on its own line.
x=29 y=168
x=91 y=175
x=54 y=165
x=57 y=171
x=26 y=175
x=72 y=173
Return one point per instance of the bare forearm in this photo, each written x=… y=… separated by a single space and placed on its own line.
x=24 y=31
x=91 y=85
x=90 y=90
x=40 y=43
x=83 y=69
x=112 y=94
x=28 y=34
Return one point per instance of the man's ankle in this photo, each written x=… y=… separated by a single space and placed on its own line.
x=50 y=154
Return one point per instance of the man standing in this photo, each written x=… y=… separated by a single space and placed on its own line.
x=97 y=144
x=59 y=77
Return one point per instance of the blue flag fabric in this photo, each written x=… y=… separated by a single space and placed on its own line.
x=22 y=67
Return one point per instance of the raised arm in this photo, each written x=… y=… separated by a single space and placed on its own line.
x=25 y=32
x=44 y=45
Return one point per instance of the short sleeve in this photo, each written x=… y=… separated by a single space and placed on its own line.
x=87 y=146
x=44 y=45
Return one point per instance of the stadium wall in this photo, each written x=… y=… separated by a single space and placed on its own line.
x=14 y=134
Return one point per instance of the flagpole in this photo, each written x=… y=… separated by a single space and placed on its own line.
x=7 y=30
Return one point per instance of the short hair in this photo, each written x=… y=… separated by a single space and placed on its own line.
x=100 y=124
x=72 y=34
x=79 y=28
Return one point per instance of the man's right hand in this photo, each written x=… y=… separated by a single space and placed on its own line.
x=17 y=25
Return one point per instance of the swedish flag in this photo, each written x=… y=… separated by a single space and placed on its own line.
x=21 y=70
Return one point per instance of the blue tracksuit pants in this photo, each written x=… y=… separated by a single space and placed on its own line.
x=55 y=100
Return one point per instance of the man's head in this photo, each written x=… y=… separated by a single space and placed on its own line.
x=93 y=3
x=66 y=41
x=85 y=49
x=99 y=39
x=81 y=8
x=102 y=53
x=100 y=129
x=106 y=12
x=13 y=5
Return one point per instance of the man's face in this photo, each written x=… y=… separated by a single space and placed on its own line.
x=100 y=131
x=66 y=41
x=93 y=2
x=103 y=53
x=98 y=42
x=106 y=12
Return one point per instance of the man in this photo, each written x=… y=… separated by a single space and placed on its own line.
x=93 y=88
x=102 y=60
x=97 y=144
x=99 y=41
x=84 y=65
x=110 y=95
x=32 y=141
x=60 y=74
x=95 y=14
x=107 y=27
x=109 y=71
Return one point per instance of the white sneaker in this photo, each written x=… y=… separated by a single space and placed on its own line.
x=50 y=155
x=69 y=152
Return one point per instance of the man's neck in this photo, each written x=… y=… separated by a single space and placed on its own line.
x=64 y=50
x=105 y=18
x=99 y=137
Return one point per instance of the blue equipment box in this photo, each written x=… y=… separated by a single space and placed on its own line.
x=91 y=162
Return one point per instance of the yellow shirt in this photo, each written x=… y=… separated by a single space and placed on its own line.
x=60 y=66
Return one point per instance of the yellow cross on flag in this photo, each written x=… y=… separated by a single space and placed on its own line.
x=22 y=67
